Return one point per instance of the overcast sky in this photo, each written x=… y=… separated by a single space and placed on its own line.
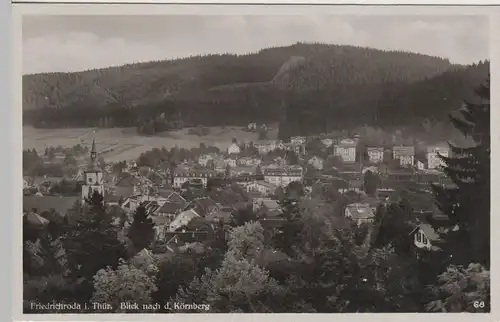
x=72 y=43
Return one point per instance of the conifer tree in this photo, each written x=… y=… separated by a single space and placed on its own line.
x=141 y=232
x=92 y=243
x=468 y=202
x=290 y=231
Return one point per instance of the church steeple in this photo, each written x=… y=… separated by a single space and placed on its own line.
x=93 y=157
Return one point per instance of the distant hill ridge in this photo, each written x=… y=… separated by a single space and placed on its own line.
x=223 y=89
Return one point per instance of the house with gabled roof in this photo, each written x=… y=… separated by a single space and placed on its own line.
x=360 y=213
x=203 y=206
x=176 y=197
x=425 y=237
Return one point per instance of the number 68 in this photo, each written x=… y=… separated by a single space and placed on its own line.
x=478 y=304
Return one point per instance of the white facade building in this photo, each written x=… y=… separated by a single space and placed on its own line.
x=346 y=150
x=433 y=160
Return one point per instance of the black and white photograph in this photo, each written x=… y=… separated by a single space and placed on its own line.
x=264 y=163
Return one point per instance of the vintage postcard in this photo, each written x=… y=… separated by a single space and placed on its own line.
x=211 y=159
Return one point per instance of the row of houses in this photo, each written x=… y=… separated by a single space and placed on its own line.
x=297 y=144
x=406 y=155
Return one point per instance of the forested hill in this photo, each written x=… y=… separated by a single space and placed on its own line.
x=385 y=104
x=231 y=89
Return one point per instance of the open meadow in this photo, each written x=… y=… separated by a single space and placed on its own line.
x=117 y=144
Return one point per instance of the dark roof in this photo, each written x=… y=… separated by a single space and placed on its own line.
x=175 y=197
x=171 y=207
x=203 y=206
x=165 y=192
x=46 y=203
x=124 y=192
x=129 y=181
x=111 y=198
x=222 y=216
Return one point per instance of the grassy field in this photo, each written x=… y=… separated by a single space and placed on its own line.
x=125 y=144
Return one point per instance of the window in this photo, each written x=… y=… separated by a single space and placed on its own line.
x=90 y=180
x=424 y=239
x=419 y=237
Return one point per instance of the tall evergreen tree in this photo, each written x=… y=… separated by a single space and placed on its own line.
x=468 y=202
x=141 y=232
x=91 y=243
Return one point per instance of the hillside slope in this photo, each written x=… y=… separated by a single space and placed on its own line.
x=222 y=89
x=388 y=105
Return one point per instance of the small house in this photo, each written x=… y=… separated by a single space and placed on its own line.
x=425 y=237
x=360 y=213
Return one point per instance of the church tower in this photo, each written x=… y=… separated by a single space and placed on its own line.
x=93 y=176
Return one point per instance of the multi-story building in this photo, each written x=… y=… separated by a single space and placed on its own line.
x=283 y=176
x=405 y=155
x=433 y=160
x=182 y=175
x=346 y=150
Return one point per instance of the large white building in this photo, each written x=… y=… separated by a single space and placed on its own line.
x=93 y=176
x=346 y=150
x=192 y=175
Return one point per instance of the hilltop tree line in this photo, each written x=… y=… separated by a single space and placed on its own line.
x=227 y=89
